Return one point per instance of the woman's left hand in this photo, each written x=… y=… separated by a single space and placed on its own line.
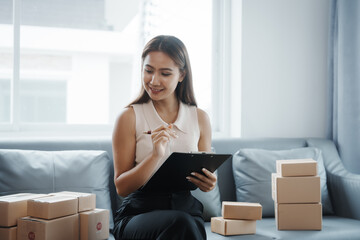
x=205 y=183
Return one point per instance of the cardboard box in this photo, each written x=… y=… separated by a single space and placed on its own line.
x=241 y=210
x=298 y=216
x=51 y=207
x=14 y=206
x=55 y=229
x=296 y=167
x=297 y=189
x=8 y=233
x=232 y=227
x=86 y=201
x=94 y=224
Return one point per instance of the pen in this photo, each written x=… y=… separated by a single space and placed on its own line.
x=149 y=131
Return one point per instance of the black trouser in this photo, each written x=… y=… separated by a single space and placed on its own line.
x=160 y=216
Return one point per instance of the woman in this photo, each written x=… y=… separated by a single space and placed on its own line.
x=163 y=119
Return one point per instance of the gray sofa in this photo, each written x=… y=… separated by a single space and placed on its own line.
x=343 y=187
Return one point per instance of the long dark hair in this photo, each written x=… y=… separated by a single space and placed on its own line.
x=176 y=50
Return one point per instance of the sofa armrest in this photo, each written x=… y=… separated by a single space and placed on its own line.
x=345 y=194
x=344 y=186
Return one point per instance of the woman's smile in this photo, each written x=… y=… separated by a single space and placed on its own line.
x=156 y=90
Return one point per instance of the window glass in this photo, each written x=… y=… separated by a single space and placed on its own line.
x=43 y=100
x=4 y=100
x=6 y=51
x=76 y=57
x=80 y=60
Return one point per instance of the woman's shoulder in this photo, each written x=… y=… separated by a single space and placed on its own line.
x=202 y=115
x=126 y=116
x=203 y=120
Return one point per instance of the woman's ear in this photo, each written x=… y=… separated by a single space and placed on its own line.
x=182 y=76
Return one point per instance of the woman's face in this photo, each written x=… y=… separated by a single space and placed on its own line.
x=160 y=76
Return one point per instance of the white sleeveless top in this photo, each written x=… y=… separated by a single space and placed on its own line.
x=186 y=127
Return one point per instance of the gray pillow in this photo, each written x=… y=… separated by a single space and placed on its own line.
x=210 y=201
x=252 y=170
x=54 y=171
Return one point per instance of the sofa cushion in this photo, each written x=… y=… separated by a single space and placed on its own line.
x=54 y=171
x=252 y=170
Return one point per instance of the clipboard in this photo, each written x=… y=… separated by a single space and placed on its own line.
x=171 y=176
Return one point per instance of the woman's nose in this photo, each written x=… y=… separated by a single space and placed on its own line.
x=155 y=79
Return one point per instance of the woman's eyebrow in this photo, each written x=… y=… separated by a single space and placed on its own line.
x=163 y=69
x=166 y=69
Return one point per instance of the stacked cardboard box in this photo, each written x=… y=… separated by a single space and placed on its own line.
x=55 y=216
x=297 y=195
x=13 y=207
x=94 y=222
x=86 y=201
x=50 y=217
x=237 y=218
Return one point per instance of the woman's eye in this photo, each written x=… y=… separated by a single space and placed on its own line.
x=166 y=74
x=148 y=71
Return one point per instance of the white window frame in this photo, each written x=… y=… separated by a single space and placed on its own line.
x=226 y=81
x=226 y=93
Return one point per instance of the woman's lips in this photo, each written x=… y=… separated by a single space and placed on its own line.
x=155 y=90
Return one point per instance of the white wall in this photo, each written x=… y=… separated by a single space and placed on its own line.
x=284 y=68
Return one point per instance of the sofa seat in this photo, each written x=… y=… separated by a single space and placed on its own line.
x=334 y=228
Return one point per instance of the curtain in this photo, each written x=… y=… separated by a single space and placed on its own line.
x=344 y=81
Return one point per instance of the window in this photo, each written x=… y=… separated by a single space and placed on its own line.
x=77 y=63
x=4 y=100
x=6 y=52
x=43 y=100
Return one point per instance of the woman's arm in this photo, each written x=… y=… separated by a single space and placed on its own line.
x=128 y=177
x=207 y=183
x=205 y=131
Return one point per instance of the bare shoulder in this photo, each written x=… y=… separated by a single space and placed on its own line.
x=205 y=131
x=125 y=121
x=202 y=115
x=204 y=120
x=126 y=115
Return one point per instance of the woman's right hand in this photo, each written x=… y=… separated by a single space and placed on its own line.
x=161 y=138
